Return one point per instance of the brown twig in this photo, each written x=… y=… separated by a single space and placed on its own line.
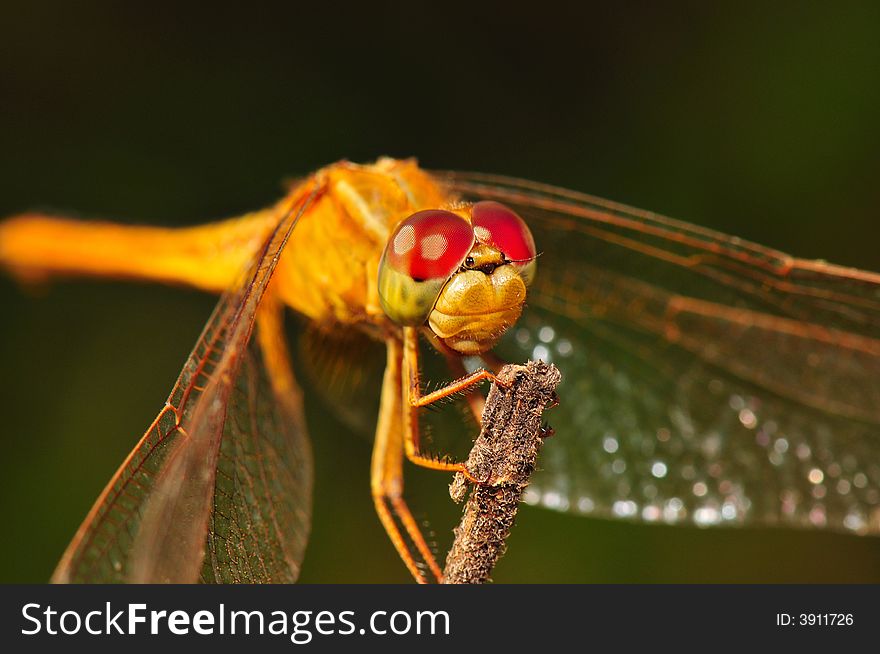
x=503 y=455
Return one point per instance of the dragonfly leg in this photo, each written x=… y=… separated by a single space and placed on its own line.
x=414 y=400
x=386 y=478
x=476 y=401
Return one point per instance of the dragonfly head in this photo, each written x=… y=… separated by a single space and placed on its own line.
x=464 y=272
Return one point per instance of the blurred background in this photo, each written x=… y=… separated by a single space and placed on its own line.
x=760 y=121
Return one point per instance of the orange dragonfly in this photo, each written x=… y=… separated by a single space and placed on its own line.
x=706 y=380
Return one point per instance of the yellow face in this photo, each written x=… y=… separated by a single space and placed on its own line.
x=463 y=273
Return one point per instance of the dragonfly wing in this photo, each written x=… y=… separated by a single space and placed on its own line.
x=705 y=379
x=261 y=515
x=152 y=521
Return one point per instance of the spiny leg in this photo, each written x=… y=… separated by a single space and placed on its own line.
x=476 y=401
x=413 y=400
x=386 y=475
x=396 y=433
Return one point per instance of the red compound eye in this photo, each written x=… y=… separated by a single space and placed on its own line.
x=498 y=226
x=429 y=244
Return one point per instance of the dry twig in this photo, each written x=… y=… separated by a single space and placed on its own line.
x=504 y=456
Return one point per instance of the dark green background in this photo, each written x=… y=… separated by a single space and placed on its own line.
x=760 y=122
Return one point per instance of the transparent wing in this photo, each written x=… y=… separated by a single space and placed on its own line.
x=705 y=378
x=261 y=515
x=212 y=450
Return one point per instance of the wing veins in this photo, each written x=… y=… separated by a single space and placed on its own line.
x=210 y=341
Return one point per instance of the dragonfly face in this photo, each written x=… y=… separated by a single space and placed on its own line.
x=465 y=272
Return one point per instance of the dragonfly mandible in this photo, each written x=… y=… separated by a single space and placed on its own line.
x=706 y=380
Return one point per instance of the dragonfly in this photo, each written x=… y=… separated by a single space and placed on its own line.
x=707 y=380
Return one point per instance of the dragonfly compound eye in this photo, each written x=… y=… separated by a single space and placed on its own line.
x=422 y=253
x=501 y=228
